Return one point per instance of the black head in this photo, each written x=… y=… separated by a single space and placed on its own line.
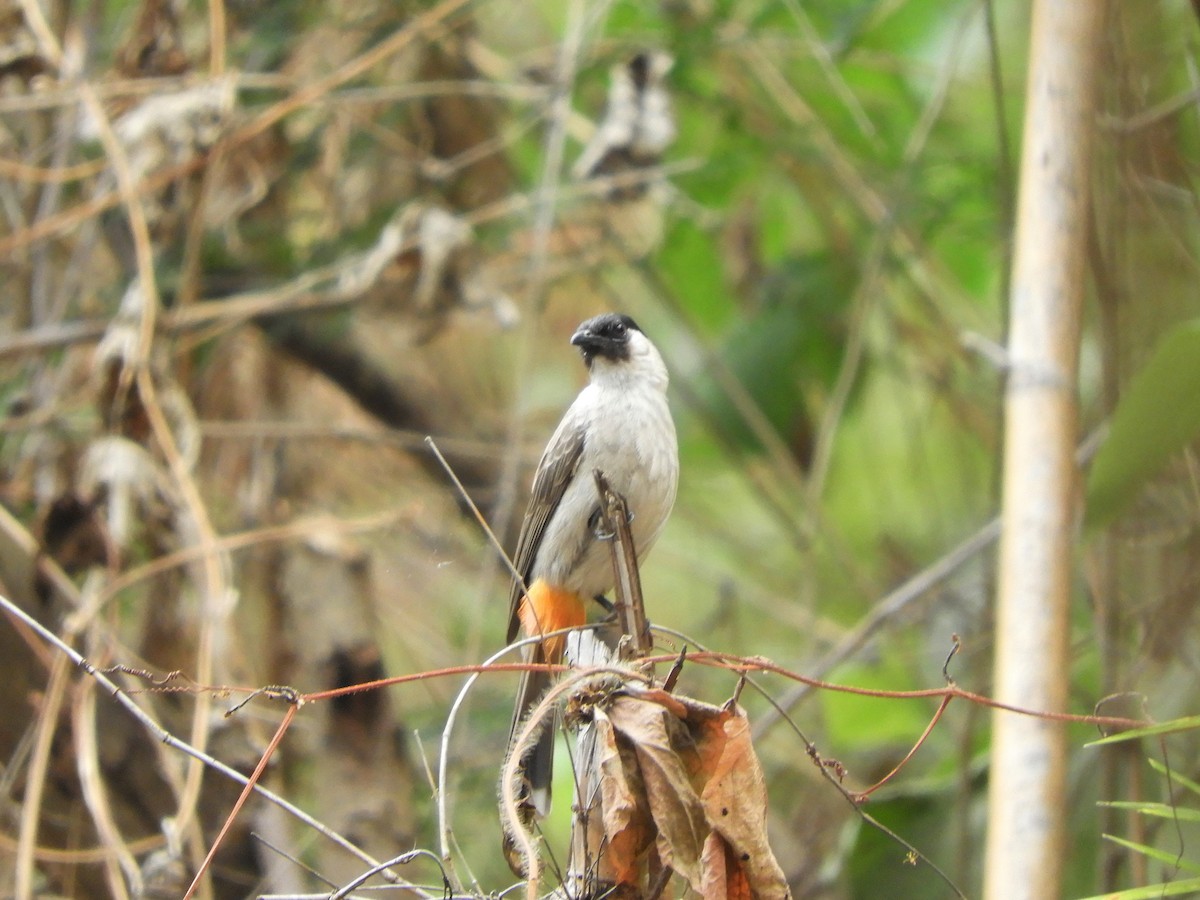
x=606 y=336
x=639 y=70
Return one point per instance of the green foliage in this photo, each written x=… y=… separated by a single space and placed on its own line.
x=1186 y=888
x=790 y=348
x=1187 y=723
x=1156 y=810
x=894 y=725
x=1174 y=860
x=1156 y=418
x=691 y=263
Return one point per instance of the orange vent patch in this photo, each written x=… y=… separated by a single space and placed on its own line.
x=546 y=608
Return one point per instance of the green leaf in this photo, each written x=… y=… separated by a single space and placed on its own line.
x=793 y=338
x=1158 y=415
x=1167 y=859
x=690 y=261
x=1187 y=723
x=1167 y=889
x=1175 y=777
x=1158 y=810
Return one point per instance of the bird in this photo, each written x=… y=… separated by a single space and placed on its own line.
x=619 y=423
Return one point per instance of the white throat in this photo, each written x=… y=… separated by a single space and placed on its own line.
x=643 y=369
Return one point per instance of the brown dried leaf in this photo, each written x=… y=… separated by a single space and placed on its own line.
x=72 y=533
x=628 y=828
x=735 y=802
x=674 y=805
x=680 y=707
x=154 y=48
x=712 y=745
x=724 y=877
x=19 y=54
x=128 y=486
x=687 y=769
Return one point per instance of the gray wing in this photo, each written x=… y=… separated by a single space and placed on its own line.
x=555 y=473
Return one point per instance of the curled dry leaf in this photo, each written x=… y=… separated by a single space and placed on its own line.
x=704 y=790
x=658 y=738
x=426 y=256
x=165 y=130
x=128 y=485
x=120 y=406
x=627 y=822
x=724 y=877
x=735 y=800
x=19 y=53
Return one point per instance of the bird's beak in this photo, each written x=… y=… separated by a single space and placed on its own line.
x=590 y=344
x=593 y=343
x=586 y=338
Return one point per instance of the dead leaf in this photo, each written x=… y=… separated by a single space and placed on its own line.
x=677 y=778
x=724 y=877
x=735 y=802
x=674 y=805
x=705 y=791
x=72 y=533
x=19 y=54
x=127 y=484
x=628 y=828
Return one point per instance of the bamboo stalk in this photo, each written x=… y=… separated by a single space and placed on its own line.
x=1026 y=827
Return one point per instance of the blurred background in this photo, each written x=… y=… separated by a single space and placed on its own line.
x=254 y=253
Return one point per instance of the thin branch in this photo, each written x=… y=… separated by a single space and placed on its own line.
x=886 y=609
x=35 y=780
x=445 y=831
x=241 y=800
x=215 y=594
x=158 y=733
x=862 y=796
x=442 y=791
x=299 y=99
x=120 y=861
x=487 y=529
x=291 y=531
x=400 y=860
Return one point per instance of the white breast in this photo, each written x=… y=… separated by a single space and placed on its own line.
x=631 y=438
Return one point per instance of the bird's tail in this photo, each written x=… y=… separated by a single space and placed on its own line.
x=535 y=769
x=544 y=609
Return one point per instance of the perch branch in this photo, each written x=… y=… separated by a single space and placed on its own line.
x=630 y=608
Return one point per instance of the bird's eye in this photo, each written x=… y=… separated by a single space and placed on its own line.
x=619 y=328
